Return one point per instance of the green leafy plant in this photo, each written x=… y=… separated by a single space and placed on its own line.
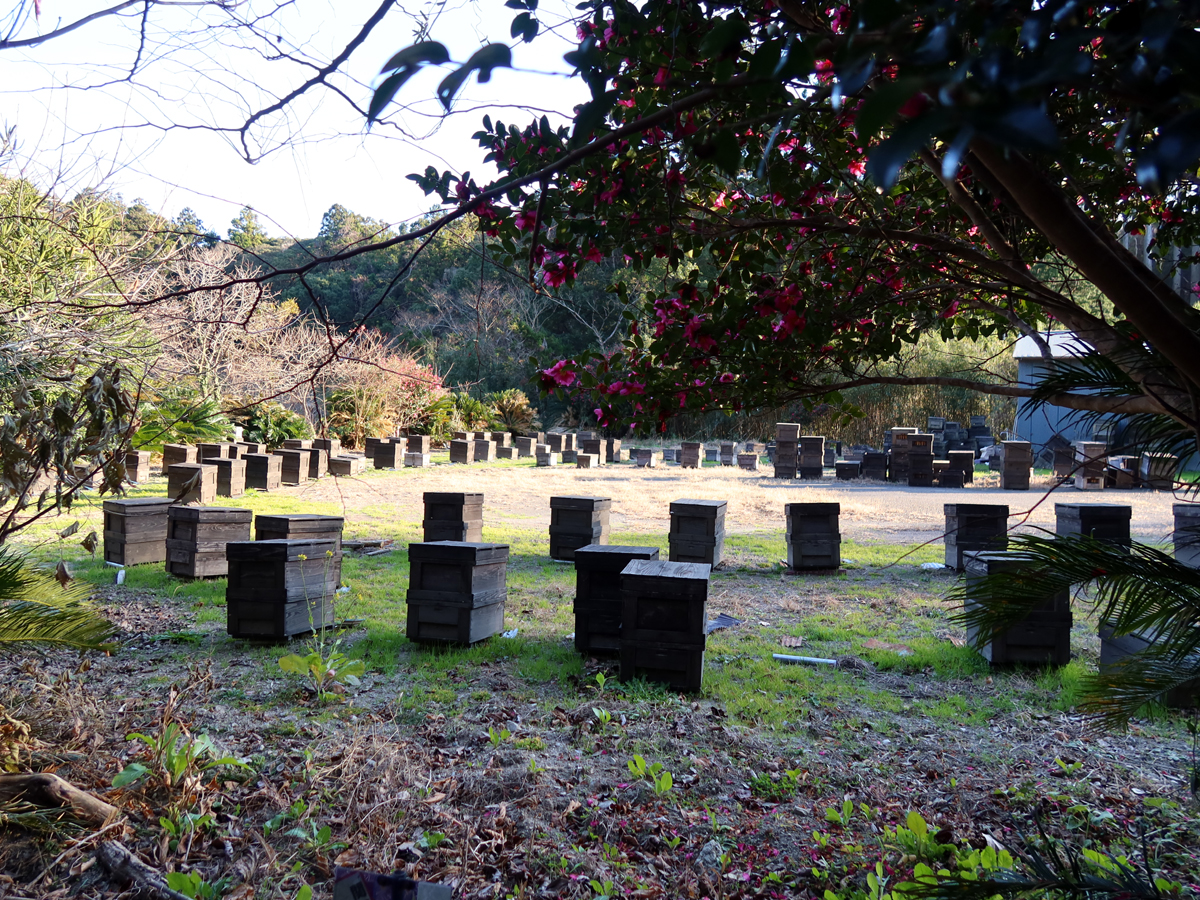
x=271 y=423
x=323 y=670
x=775 y=790
x=660 y=779
x=193 y=884
x=603 y=890
x=315 y=839
x=496 y=737
x=35 y=608
x=840 y=817
x=293 y=813
x=174 y=756
x=179 y=419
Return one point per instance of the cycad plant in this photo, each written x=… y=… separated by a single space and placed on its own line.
x=1137 y=590
x=35 y=608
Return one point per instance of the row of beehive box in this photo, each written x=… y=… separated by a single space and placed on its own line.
x=1091 y=468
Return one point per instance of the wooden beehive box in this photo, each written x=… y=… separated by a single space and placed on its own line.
x=1186 y=535
x=664 y=602
x=388 y=455
x=1107 y=522
x=678 y=666
x=418 y=443
x=748 y=461
x=500 y=438
x=264 y=471
x=135 y=530
x=453 y=517
x=369 y=445
x=197 y=535
x=598 y=604
x=525 y=447
x=318 y=463
x=294 y=466
x=697 y=531
x=231 y=476
x=587 y=461
x=1158 y=470
x=331 y=446
x=250 y=447
x=545 y=456
x=485 y=450
x=593 y=447
x=416 y=460
x=506 y=453
x=950 y=478
x=576 y=522
x=192 y=483
x=964 y=461
x=279 y=588
x=176 y=454
x=220 y=450
x=974 y=527
x=814 y=539
x=300 y=527
x=137 y=465
x=847 y=470
x=1043 y=637
x=343 y=466
x=456 y=591
x=1118 y=650
x=297 y=444
x=462 y=451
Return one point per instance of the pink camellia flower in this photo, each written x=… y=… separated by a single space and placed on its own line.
x=559 y=374
x=594 y=255
x=526 y=219
x=661 y=76
x=858 y=168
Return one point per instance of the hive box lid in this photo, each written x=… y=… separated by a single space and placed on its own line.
x=1107 y=510
x=984 y=562
x=458 y=552
x=976 y=509
x=659 y=568
x=442 y=497
x=300 y=522
x=699 y=507
x=584 y=503
x=812 y=509
x=281 y=551
x=604 y=556
x=140 y=506
x=211 y=514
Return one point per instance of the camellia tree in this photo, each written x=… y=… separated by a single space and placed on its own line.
x=826 y=184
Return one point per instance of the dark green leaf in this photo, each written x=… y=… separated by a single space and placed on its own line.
x=882 y=104
x=725 y=36
x=385 y=92
x=1172 y=153
x=430 y=52
x=727 y=154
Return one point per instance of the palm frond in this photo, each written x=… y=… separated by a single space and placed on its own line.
x=34 y=608
x=1139 y=591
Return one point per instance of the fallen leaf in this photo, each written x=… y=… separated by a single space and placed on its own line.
x=241 y=892
x=899 y=649
x=957 y=641
x=571 y=807
x=436 y=798
x=788 y=641
x=347 y=859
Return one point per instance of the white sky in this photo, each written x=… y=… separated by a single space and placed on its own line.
x=74 y=138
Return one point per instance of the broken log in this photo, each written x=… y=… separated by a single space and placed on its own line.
x=47 y=790
x=124 y=866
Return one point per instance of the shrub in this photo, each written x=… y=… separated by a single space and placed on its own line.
x=272 y=424
x=513 y=411
x=179 y=420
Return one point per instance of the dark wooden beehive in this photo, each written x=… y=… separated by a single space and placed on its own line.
x=176 y=454
x=664 y=614
x=218 y=450
x=264 y=471
x=417 y=443
x=525 y=447
x=485 y=450
x=697 y=531
x=369 y=445
x=297 y=444
x=300 y=527
x=1107 y=522
x=598 y=606
x=814 y=538
x=135 y=531
x=453 y=517
x=278 y=589
x=1042 y=637
x=318 y=462
x=593 y=447
x=874 y=465
x=294 y=466
x=192 y=483
x=197 y=535
x=964 y=461
x=462 y=451
x=342 y=466
x=689 y=454
x=456 y=591
x=388 y=455
x=246 y=447
x=972 y=527
x=137 y=465
x=576 y=522
x=1186 y=535
x=231 y=476
x=331 y=446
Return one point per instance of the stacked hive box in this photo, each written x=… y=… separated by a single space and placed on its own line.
x=964 y=461
x=300 y=527
x=830 y=460
x=728 y=454
x=485 y=450
x=538 y=437
x=135 y=531
x=506 y=453
x=388 y=455
x=197 y=535
x=297 y=444
x=1106 y=522
x=347 y=465
x=231 y=476
x=545 y=456
x=176 y=454
x=647 y=459
x=569 y=456
x=787 y=450
x=898 y=467
x=586 y=460
x=577 y=522
x=1158 y=470
x=525 y=447
x=278 y=589
x=1090 y=462
x=697 y=531
x=462 y=451
x=192 y=483
x=331 y=446
x=670 y=455
x=598 y=605
x=814 y=540
x=1042 y=637
x=1121 y=472
x=847 y=470
x=663 y=623
x=812 y=456
x=137 y=465
x=612 y=450
x=593 y=447
x=264 y=471
x=294 y=465
x=748 y=461
x=713 y=454
x=453 y=517
x=1064 y=463
x=947 y=476
x=689 y=454
x=318 y=463
x=920 y=460
x=221 y=450
x=979 y=434
x=417 y=448
x=874 y=465
x=369 y=446
x=456 y=591
x=974 y=527
x=245 y=447
x=1186 y=535
x=561 y=443
x=501 y=439
x=1017 y=459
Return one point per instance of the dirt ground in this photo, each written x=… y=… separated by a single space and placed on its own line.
x=871 y=511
